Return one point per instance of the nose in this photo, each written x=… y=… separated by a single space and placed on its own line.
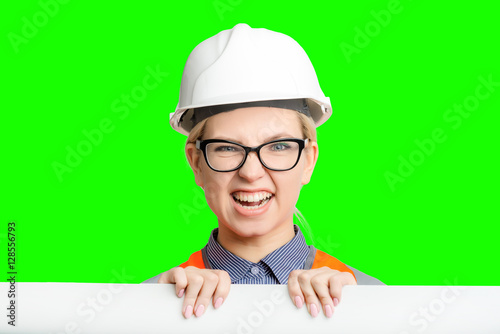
x=252 y=169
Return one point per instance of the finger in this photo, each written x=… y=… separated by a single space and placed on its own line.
x=294 y=289
x=320 y=284
x=222 y=290
x=195 y=282
x=175 y=275
x=337 y=282
x=210 y=281
x=310 y=297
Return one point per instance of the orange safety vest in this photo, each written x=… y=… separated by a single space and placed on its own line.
x=321 y=259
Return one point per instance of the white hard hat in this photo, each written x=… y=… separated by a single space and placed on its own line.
x=245 y=64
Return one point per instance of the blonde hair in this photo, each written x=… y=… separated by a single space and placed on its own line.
x=308 y=131
x=197 y=132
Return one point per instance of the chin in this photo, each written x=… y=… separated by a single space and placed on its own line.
x=247 y=228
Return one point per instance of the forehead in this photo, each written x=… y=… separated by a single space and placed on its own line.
x=254 y=125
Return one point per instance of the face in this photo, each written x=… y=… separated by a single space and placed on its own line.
x=224 y=191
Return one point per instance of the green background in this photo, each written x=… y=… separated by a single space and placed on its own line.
x=130 y=209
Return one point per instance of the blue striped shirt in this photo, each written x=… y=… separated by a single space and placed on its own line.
x=274 y=268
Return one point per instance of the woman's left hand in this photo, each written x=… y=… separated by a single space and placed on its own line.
x=318 y=288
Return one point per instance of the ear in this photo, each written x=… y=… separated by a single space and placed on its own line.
x=311 y=155
x=194 y=157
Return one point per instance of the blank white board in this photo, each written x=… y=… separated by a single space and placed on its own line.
x=154 y=308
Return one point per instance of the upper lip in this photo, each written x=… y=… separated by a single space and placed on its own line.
x=253 y=190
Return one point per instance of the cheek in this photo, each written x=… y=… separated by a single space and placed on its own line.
x=215 y=187
x=289 y=186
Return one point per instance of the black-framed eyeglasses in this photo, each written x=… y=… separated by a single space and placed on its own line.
x=227 y=156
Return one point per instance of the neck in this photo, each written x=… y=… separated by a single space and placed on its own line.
x=254 y=248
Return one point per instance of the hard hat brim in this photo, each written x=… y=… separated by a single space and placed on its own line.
x=180 y=120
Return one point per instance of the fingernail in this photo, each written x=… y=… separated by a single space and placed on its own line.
x=298 y=301
x=199 y=310
x=180 y=293
x=328 y=311
x=218 y=302
x=314 y=310
x=188 y=312
x=335 y=301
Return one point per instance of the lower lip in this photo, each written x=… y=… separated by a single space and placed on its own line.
x=251 y=212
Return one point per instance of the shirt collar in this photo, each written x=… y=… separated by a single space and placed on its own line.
x=282 y=261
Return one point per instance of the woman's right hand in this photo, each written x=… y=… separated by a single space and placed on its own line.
x=198 y=286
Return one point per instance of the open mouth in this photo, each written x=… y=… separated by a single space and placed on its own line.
x=252 y=201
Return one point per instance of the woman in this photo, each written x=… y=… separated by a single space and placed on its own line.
x=250 y=103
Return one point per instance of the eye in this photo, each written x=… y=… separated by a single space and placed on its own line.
x=225 y=148
x=277 y=147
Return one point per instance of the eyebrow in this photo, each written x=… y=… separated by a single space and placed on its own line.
x=268 y=139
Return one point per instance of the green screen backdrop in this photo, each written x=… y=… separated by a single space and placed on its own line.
x=96 y=181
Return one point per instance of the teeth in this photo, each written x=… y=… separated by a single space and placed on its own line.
x=251 y=197
x=255 y=206
x=263 y=196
